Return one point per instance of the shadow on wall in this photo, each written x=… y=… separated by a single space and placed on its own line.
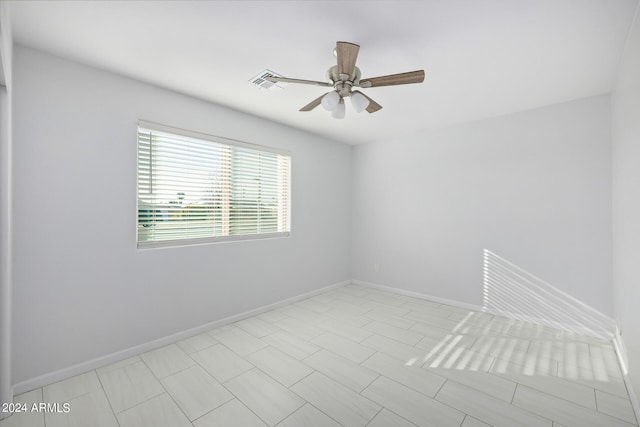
x=515 y=293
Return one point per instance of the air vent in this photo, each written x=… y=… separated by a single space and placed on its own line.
x=260 y=81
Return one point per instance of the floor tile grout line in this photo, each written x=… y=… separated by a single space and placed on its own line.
x=448 y=405
x=106 y=397
x=372 y=355
x=560 y=398
x=235 y=376
x=236 y=398
x=373 y=418
x=102 y=368
x=319 y=410
x=400 y=416
x=44 y=419
x=140 y=403
x=511 y=377
x=196 y=364
x=208 y=373
x=491 y=397
x=513 y=396
x=613 y=416
x=301 y=379
x=174 y=373
x=369 y=385
x=440 y=388
x=174 y=400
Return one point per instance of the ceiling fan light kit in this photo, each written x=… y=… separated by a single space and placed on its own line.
x=345 y=76
x=359 y=102
x=339 y=111
x=330 y=100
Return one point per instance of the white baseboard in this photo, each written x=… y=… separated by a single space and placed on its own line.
x=633 y=397
x=623 y=360
x=608 y=335
x=419 y=295
x=621 y=352
x=89 y=365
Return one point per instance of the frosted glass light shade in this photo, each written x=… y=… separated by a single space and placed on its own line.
x=330 y=100
x=359 y=102
x=338 y=111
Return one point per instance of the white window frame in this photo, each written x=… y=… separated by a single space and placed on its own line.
x=283 y=199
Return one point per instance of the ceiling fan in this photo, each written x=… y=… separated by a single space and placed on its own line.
x=345 y=76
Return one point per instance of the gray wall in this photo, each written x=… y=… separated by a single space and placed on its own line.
x=626 y=200
x=533 y=188
x=6 y=68
x=81 y=289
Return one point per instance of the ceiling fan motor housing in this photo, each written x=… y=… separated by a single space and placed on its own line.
x=343 y=83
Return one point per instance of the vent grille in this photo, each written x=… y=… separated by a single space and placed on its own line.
x=260 y=81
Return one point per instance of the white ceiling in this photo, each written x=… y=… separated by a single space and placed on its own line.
x=482 y=58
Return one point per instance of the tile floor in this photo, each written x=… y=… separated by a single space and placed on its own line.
x=353 y=357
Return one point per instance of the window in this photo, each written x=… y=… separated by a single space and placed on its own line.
x=196 y=188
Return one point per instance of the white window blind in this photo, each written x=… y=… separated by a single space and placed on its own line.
x=195 y=188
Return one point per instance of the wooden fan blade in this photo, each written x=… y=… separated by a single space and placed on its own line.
x=347 y=54
x=313 y=104
x=306 y=82
x=394 y=79
x=373 y=105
